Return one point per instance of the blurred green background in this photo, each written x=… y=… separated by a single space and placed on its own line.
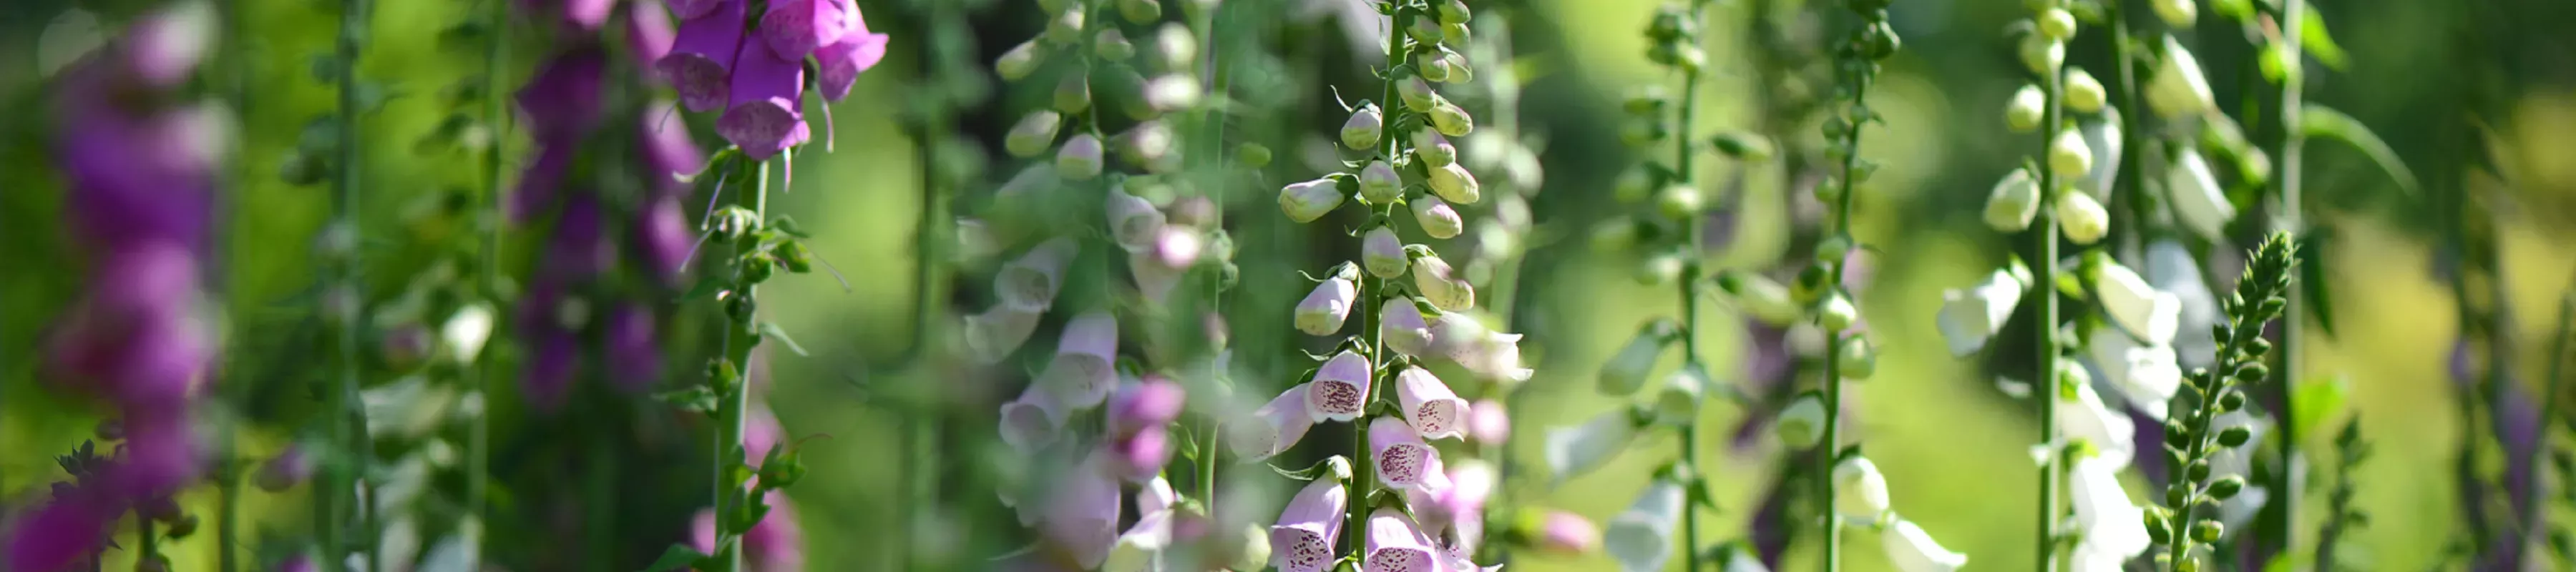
x=1952 y=446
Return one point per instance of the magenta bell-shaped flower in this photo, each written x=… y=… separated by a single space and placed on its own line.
x=766 y=111
x=1140 y=456
x=579 y=248
x=62 y=533
x=563 y=99
x=543 y=178
x=1433 y=410
x=668 y=150
x=663 y=237
x=634 y=350
x=161 y=454
x=700 y=62
x=1307 y=531
x=837 y=65
x=794 y=28
x=648 y=32
x=137 y=177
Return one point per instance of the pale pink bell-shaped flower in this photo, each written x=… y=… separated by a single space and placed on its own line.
x=1403 y=461
x=1400 y=325
x=1030 y=282
x=1276 y=426
x=1306 y=201
x=1152 y=402
x=1083 y=373
x=1341 y=388
x=1082 y=515
x=1437 y=218
x=1383 y=254
x=1154 y=279
x=1433 y=410
x=1442 y=286
x=1154 y=531
x=1133 y=221
x=998 y=331
x=1460 y=503
x=1487 y=422
x=1327 y=307
x=1310 y=528
x=1033 y=421
x=1139 y=456
x=1396 y=544
x=1564 y=532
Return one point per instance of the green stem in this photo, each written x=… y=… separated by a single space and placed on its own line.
x=2045 y=289
x=346 y=419
x=1389 y=142
x=2127 y=195
x=147 y=540
x=2293 y=334
x=478 y=375
x=732 y=498
x=2535 y=521
x=1683 y=165
x=1834 y=340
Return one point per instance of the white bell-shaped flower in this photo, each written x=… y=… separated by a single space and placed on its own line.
x=2136 y=306
x=1970 y=316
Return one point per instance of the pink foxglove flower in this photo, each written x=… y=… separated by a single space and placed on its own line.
x=700 y=62
x=1327 y=307
x=1276 y=426
x=1403 y=461
x=1134 y=222
x=1030 y=282
x=1442 y=286
x=1564 y=532
x=764 y=113
x=1400 y=324
x=1383 y=254
x=1155 y=530
x=998 y=331
x=648 y=32
x=1082 y=516
x=1341 y=388
x=1379 y=184
x=1396 y=544
x=1310 y=528
x=1154 y=402
x=838 y=65
x=1083 y=371
x=1487 y=422
x=1437 y=218
x=1033 y=421
x=794 y=28
x=1459 y=504
x=1139 y=456
x=1433 y=410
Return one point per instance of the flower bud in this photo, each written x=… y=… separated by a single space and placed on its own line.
x=2197 y=199
x=1254 y=155
x=1648 y=101
x=1383 y=254
x=2042 y=54
x=1626 y=371
x=1860 y=492
x=1362 y=130
x=1424 y=30
x=1634 y=185
x=2082 y=219
x=1304 y=202
x=2057 y=23
x=1453 y=11
x=1080 y=158
x=1324 y=309
x=1379 y=184
x=1857 y=360
x=1148 y=145
x=1614 y=236
x=2029 y=106
x=1802 y=423
x=1438 y=284
x=1433 y=148
x=1455 y=34
x=1429 y=66
x=2179 y=14
x=1677 y=403
x=1437 y=218
x=1679 y=202
x=1660 y=269
x=1110 y=44
x=1811 y=284
x=1451 y=120
x=2227 y=488
x=2014 y=203
x=1762 y=297
x=1402 y=326
x=1033 y=133
x=2178 y=89
x=1454 y=184
x=2208 y=531
x=1066 y=27
x=2083 y=93
x=1417 y=95
x=2068 y=156
x=1459 y=70
x=1073 y=94
x=1175 y=48
x=1838 y=313
x=1141 y=12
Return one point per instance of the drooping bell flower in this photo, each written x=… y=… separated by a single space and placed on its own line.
x=2147 y=376
x=2111 y=524
x=1309 y=528
x=1400 y=324
x=635 y=349
x=562 y=101
x=136 y=177
x=1383 y=254
x=578 y=248
x=163 y=49
x=1969 y=316
x=1433 y=410
x=136 y=339
x=1154 y=402
x=1487 y=422
x=1641 y=537
x=764 y=113
x=2084 y=416
x=1459 y=505
x=1437 y=218
x=1154 y=279
x=838 y=65
x=2198 y=201
x=1860 y=492
x=554 y=353
x=998 y=331
x=1340 y=389
x=669 y=152
x=663 y=238
x=1442 y=286
x=1310 y=200
x=2136 y=306
x=1403 y=461
x=1082 y=516
x=63 y=532
x=161 y=454
x=1082 y=374
x=1030 y=282
x=1141 y=455
x=1156 y=529
x=1910 y=549
x=1033 y=421
x=543 y=179
x=648 y=32
x=1397 y=544
x=794 y=28
x=701 y=58
x=1327 y=307
x=1133 y=221
x=1276 y=426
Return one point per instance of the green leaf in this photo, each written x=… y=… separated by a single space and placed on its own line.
x=2321 y=121
x=772 y=331
x=1335 y=467
x=788 y=225
x=2315 y=399
x=2318 y=43
x=678 y=556
x=695 y=398
x=2313 y=285
x=706 y=286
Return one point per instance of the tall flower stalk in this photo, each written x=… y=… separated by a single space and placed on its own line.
x=343 y=306
x=479 y=373
x=1847 y=355
x=2050 y=36
x=2192 y=434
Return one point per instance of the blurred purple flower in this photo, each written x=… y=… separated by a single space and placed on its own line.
x=765 y=113
x=686 y=9
x=838 y=65
x=160 y=455
x=668 y=150
x=1147 y=405
x=297 y=563
x=701 y=58
x=1139 y=456
x=562 y=101
x=163 y=49
x=578 y=248
x=554 y=353
x=137 y=176
x=663 y=237
x=542 y=179
x=794 y=28
x=289 y=468
x=2517 y=427
x=775 y=544
x=648 y=32
x=64 y=532
x=635 y=350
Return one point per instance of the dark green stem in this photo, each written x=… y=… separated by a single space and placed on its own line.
x=1389 y=142
x=2293 y=334
x=1695 y=224
x=732 y=497
x=345 y=417
x=147 y=540
x=477 y=375
x=2045 y=289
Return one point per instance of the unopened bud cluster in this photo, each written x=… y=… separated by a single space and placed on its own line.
x=2192 y=437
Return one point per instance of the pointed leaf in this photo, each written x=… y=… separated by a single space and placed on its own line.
x=2321 y=121
x=695 y=398
x=706 y=286
x=677 y=557
x=2318 y=291
x=2318 y=43
x=1335 y=467
x=772 y=331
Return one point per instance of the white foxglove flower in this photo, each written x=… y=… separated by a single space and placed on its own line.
x=1910 y=549
x=998 y=331
x=1802 y=423
x=1383 y=254
x=1454 y=184
x=2083 y=416
x=1437 y=218
x=2029 y=106
x=1442 y=286
x=2102 y=135
x=2042 y=55
x=2112 y=525
x=1626 y=371
x=1572 y=451
x=1133 y=221
x=2082 y=219
x=1401 y=325
x=1340 y=389
x=1434 y=411
x=1363 y=129
x=2083 y=93
x=1033 y=421
x=1379 y=184
x=1029 y=283
x=1327 y=307
x=2178 y=90
x=2135 y=306
x=2146 y=376
x=1084 y=371
x=2172 y=269
x=2197 y=199
x=1860 y=492
x=1080 y=158
x=2176 y=13
x=1970 y=316
x=1641 y=537
x=2014 y=202
x=2068 y=156
x=1304 y=202
x=466 y=331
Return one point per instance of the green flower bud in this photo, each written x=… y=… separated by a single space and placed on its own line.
x=2156 y=528
x=1364 y=127
x=2083 y=93
x=1417 y=95
x=2068 y=155
x=2197 y=471
x=1424 y=30
x=2179 y=14
x=2014 y=203
x=1660 y=269
x=1881 y=41
x=2208 y=531
x=1033 y=133
x=1437 y=218
x=1254 y=155
x=1433 y=148
x=2082 y=219
x=1454 y=184
x=1066 y=28
x=2226 y=488
x=2057 y=23
x=1430 y=66
x=2231 y=401
x=1833 y=249
x=1644 y=132
x=2042 y=54
x=1379 y=184
x=1020 y=61
x=1678 y=202
x=1141 y=12
x=1112 y=45
x=1080 y=158
x=1858 y=359
x=2252 y=372
x=2235 y=436
x=1073 y=94
x=2029 y=106
x=1455 y=34
x=1451 y=120
x=2177 y=494
x=1838 y=313
x=1802 y=423
x=1647 y=101
x=2257 y=347
x=2188 y=564
x=1454 y=12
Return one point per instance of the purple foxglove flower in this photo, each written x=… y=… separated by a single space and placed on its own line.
x=1564 y=532
x=62 y=533
x=1030 y=282
x=794 y=28
x=1327 y=307
x=668 y=150
x=1429 y=406
x=764 y=113
x=563 y=99
x=543 y=178
x=1155 y=402
x=1341 y=388
x=761 y=433
x=663 y=237
x=578 y=248
x=1033 y=421
x=586 y=15
x=289 y=468
x=1279 y=424
x=304 y=562
x=1396 y=544
x=1310 y=528
x=994 y=334
x=163 y=48
x=160 y=455
x=137 y=178
x=636 y=352
x=135 y=336
x=2517 y=428
x=1082 y=516
x=700 y=62
x=1133 y=221
x=1487 y=422
x=838 y=65
x=554 y=360
x=1083 y=371
x=1140 y=456
x=1401 y=325
x=1403 y=460
x=648 y=32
